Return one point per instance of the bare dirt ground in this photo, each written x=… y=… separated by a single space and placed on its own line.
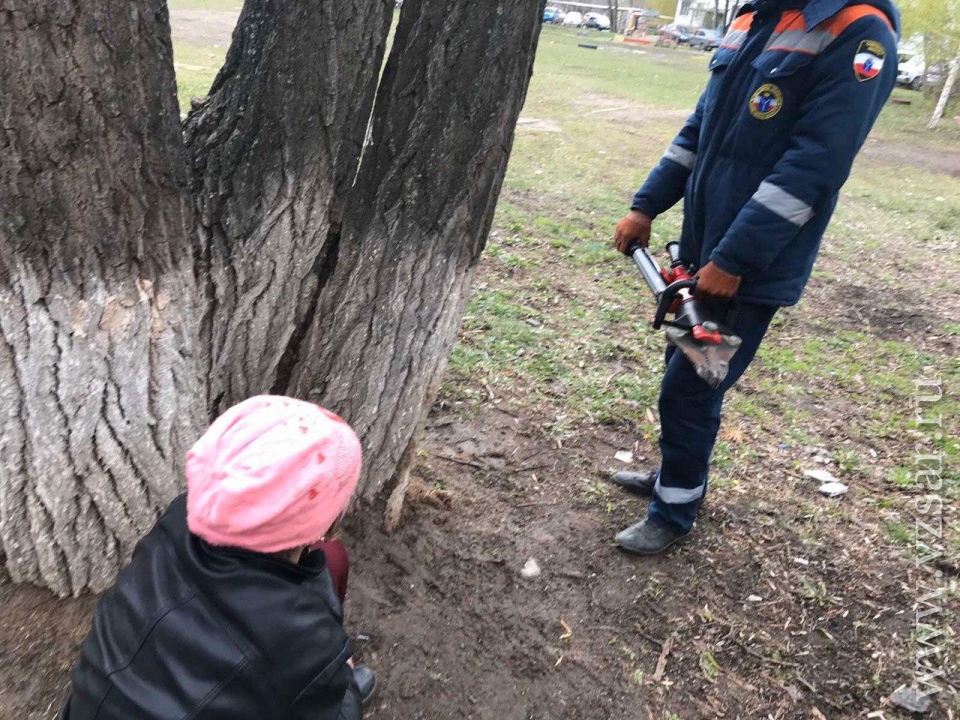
x=207 y=28
x=777 y=608
x=944 y=161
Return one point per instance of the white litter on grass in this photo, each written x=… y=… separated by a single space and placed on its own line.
x=829 y=485
x=754 y=598
x=833 y=489
x=624 y=456
x=821 y=476
x=531 y=569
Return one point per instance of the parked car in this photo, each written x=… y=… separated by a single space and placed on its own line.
x=911 y=70
x=675 y=33
x=705 y=40
x=552 y=15
x=597 y=21
x=914 y=73
x=572 y=19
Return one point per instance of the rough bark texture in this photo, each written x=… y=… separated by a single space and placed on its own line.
x=146 y=283
x=417 y=219
x=274 y=149
x=98 y=393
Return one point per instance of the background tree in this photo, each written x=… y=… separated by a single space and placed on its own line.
x=613 y=11
x=938 y=22
x=150 y=278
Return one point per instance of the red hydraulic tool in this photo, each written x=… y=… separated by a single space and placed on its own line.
x=697 y=328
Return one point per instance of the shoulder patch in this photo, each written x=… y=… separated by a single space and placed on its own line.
x=868 y=62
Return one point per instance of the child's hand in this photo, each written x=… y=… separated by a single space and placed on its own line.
x=350 y=662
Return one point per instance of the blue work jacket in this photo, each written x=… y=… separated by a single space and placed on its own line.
x=759 y=164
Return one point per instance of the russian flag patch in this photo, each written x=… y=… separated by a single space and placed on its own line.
x=868 y=62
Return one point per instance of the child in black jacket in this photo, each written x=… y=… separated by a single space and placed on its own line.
x=225 y=611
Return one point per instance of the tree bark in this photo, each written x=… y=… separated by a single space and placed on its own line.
x=98 y=393
x=613 y=7
x=274 y=150
x=945 y=93
x=417 y=219
x=149 y=278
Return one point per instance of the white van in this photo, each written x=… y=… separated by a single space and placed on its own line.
x=911 y=70
x=597 y=21
x=573 y=19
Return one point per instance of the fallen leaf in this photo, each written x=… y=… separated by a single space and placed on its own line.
x=734 y=435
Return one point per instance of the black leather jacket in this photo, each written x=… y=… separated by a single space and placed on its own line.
x=196 y=632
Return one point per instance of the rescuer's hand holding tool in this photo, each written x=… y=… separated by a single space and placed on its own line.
x=634 y=228
x=699 y=328
x=716 y=284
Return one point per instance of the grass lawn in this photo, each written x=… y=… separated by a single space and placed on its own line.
x=556 y=344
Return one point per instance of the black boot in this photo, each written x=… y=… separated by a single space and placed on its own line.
x=639 y=483
x=647 y=538
x=366 y=681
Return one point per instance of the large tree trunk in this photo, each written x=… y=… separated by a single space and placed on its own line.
x=275 y=148
x=98 y=393
x=418 y=218
x=145 y=284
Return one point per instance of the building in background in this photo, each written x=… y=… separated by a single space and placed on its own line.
x=706 y=13
x=619 y=12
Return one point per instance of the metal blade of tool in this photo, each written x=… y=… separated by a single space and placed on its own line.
x=712 y=362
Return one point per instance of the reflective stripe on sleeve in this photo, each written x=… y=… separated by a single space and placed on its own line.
x=733 y=39
x=813 y=42
x=675 y=495
x=680 y=156
x=782 y=203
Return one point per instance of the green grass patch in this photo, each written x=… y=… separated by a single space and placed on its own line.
x=196 y=67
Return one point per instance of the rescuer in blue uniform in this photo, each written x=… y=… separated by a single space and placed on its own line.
x=794 y=89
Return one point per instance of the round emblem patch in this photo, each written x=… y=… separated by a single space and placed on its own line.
x=868 y=62
x=766 y=101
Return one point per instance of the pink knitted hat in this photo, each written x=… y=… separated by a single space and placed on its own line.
x=271 y=474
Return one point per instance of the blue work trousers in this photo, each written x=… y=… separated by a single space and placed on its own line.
x=689 y=422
